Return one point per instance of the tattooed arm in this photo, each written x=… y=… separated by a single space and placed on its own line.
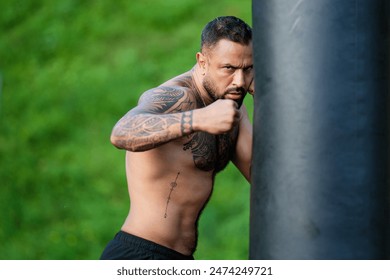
x=167 y=113
x=161 y=115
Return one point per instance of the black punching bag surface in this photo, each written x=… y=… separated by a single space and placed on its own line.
x=319 y=173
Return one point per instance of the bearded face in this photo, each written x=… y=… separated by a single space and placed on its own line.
x=212 y=89
x=227 y=70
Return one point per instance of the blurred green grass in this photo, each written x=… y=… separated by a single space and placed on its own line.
x=68 y=71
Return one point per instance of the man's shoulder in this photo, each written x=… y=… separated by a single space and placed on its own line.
x=179 y=91
x=167 y=93
x=169 y=99
x=183 y=81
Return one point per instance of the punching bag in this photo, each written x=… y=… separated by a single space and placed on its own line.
x=320 y=154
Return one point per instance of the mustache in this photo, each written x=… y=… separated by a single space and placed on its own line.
x=236 y=90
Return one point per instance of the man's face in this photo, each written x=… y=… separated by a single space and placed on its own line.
x=228 y=70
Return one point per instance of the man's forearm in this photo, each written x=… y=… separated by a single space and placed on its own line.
x=141 y=132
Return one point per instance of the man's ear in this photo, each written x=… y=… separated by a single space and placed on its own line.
x=251 y=89
x=201 y=60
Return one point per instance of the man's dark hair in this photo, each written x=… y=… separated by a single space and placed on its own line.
x=227 y=27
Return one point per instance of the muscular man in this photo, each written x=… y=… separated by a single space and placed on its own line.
x=177 y=138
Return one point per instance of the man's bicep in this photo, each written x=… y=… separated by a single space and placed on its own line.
x=157 y=119
x=162 y=100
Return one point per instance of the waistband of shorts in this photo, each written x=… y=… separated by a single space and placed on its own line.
x=150 y=245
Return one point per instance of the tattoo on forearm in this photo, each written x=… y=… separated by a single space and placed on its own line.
x=186 y=123
x=173 y=186
x=164 y=114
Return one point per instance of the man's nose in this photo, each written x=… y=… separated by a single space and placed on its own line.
x=239 y=78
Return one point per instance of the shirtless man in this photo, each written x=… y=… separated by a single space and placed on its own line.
x=177 y=138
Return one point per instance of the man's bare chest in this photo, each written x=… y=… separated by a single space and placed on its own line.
x=210 y=152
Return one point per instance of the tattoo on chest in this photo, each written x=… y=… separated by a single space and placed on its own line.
x=225 y=146
x=203 y=150
x=173 y=185
x=211 y=151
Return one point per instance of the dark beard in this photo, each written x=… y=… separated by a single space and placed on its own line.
x=208 y=85
x=209 y=88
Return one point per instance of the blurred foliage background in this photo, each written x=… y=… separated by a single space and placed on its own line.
x=68 y=71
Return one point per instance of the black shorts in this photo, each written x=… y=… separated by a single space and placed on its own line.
x=126 y=246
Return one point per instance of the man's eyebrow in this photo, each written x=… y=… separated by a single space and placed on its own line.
x=236 y=67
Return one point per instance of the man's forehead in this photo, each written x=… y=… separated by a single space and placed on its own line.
x=226 y=51
x=227 y=46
